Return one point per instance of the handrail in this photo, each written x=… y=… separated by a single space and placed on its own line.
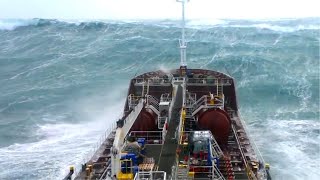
x=132 y=117
x=191 y=99
x=203 y=103
x=152 y=81
x=148 y=175
x=153 y=103
x=133 y=100
x=214 y=167
x=250 y=139
x=91 y=152
x=207 y=80
x=199 y=102
x=149 y=135
x=241 y=151
x=252 y=142
x=165 y=97
x=212 y=81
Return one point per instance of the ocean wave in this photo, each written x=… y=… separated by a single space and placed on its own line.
x=72 y=141
x=279 y=28
x=11 y=24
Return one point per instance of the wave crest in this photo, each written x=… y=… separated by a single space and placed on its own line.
x=280 y=25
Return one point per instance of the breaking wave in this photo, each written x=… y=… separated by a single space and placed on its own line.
x=312 y=23
x=64 y=81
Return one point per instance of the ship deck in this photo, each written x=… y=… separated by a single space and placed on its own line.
x=238 y=157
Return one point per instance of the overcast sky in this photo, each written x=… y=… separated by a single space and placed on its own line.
x=155 y=9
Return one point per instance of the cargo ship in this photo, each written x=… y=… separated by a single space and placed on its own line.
x=179 y=124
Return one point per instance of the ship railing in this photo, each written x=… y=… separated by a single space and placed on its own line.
x=192 y=170
x=207 y=102
x=246 y=163
x=128 y=122
x=153 y=104
x=178 y=80
x=165 y=97
x=215 y=152
x=191 y=99
x=252 y=142
x=133 y=100
x=150 y=175
x=101 y=140
x=151 y=137
x=88 y=156
x=210 y=81
x=202 y=101
x=153 y=81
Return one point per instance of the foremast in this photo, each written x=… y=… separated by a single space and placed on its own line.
x=182 y=41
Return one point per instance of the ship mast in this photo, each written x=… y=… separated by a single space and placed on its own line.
x=182 y=41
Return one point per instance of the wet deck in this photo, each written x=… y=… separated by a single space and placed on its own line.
x=168 y=151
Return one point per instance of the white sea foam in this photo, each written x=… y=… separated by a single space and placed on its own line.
x=60 y=144
x=203 y=23
x=279 y=28
x=11 y=24
x=294 y=148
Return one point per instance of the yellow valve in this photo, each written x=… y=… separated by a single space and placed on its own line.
x=191 y=173
x=267 y=166
x=71 y=168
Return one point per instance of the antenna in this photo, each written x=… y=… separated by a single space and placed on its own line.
x=182 y=41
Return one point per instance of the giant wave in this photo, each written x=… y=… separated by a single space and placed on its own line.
x=274 y=25
x=63 y=82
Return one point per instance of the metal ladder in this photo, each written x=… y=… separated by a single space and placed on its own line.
x=153 y=104
x=145 y=88
x=216 y=150
x=219 y=88
x=217 y=175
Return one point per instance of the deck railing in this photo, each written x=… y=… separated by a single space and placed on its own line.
x=128 y=122
x=190 y=81
x=151 y=137
x=252 y=143
x=165 y=97
x=153 y=104
x=150 y=175
x=133 y=100
x=210 y=81
x=152 y=81
x=206 y=102
x=87 y=157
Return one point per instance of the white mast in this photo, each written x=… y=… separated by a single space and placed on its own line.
x=182 y=41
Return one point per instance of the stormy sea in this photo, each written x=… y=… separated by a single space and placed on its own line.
x=63 y=83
